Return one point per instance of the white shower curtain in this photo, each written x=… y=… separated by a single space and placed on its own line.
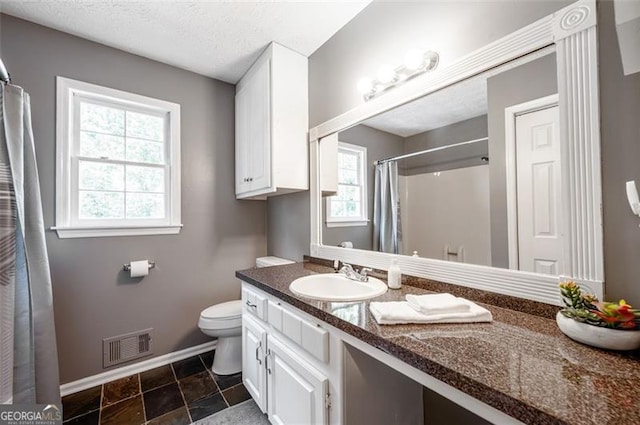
x=28 y=352
x=387 y=233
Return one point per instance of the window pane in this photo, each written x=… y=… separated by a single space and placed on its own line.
x=337 y=208
x=349 y=193
x=145 y=205
x=145 y=179
x=107 y=205
x=347 y=176
x=145 y=126
x=353 y=209
x=96 y=145
x=101 y=119
x=145 y=151
x=348 y=161
x=100 y=176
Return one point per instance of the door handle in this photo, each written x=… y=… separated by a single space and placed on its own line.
x=266 y=361
x=250 y=304
x=257 y=355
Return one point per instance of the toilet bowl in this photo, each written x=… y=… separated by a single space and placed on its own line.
x=224 y=321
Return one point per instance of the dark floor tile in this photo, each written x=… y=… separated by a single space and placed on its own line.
x=81 y=402
x=92 y=418
x=177 y=417
x=228 y=381
x=197 y=386
x=162 y=400
x=207 y=358
x=188 y=367
x=235 y=395
x=207 y=406
x=157 y=377
x=129 y=411
x=120 y=389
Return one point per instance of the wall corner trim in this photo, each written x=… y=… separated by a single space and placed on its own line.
x=124 y=371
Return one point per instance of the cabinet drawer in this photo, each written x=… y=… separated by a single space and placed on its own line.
x=254 y=303
x=315 y=340
x=275 y=315
x=292 y=326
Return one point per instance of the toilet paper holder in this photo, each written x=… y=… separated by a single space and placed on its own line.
x=127 y=267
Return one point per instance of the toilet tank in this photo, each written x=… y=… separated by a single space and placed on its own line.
x=272 y=261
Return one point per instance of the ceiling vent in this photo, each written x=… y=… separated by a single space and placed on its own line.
x=123 y=348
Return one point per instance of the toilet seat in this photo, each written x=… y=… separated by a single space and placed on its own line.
x=222 y=316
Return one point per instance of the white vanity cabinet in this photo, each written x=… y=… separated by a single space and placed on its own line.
x=285 y=361
x=271 y=110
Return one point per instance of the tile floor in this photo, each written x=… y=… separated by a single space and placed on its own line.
x=176 y=394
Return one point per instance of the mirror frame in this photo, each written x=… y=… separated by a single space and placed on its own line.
x=573 y=32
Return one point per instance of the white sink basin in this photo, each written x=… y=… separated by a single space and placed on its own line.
x=336 y=287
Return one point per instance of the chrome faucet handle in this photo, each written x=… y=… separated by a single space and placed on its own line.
x=347 y=269
x=364 y=273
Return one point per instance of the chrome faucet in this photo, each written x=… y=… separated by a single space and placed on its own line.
x=351 y=273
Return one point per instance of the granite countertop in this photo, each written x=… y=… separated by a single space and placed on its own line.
x=521 y=364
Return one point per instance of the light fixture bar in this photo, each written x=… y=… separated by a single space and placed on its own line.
x=387 y=78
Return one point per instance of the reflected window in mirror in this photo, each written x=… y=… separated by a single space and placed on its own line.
x=348 y=207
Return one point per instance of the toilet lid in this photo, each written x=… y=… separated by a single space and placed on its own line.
x=227 y=310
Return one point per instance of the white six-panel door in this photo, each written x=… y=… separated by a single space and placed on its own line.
x=539 y=197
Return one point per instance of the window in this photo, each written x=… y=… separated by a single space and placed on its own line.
x=349 y=206
x=118 y=163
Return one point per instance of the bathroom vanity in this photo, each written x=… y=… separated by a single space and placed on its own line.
x=320 y=362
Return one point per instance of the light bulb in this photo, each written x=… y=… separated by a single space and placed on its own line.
x=386 y=74
x=413 y=60
x=365 y=85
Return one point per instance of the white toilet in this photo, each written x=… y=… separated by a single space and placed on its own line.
x=224 y=321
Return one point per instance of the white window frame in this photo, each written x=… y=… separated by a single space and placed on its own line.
x=363 y=219
x=67 y=110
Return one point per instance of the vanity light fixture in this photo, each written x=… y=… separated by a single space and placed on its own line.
x=415 y=63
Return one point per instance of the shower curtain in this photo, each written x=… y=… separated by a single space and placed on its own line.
x=386 y=209
x=28 y=352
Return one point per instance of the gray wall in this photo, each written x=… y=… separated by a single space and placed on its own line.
x=449 y=159
x=527 y=82
x=620 y=129
x=380 y=145
x=93 y=298
x=380 y=34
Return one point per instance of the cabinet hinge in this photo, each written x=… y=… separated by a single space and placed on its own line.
x=327 y=400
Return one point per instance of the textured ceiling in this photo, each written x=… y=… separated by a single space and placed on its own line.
x=459 y=102
x=214 y=38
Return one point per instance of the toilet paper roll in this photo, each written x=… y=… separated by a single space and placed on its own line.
x=139 y=268
x=346 y=244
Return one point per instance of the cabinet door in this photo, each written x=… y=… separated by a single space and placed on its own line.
x=297 y=390
x=243 y=185
x=254 y=341
x=259 y=127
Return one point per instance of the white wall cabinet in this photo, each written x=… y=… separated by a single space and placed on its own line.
x=271 y=125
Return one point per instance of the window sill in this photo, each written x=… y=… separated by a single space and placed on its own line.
x=354 y=223
x=97 y=232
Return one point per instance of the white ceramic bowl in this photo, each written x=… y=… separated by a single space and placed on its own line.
x=610 y=339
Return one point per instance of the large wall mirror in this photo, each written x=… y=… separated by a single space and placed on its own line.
x=484 y=174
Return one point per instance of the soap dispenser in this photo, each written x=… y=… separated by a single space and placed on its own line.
x=394 y=275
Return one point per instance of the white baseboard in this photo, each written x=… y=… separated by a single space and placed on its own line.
x=121 y=372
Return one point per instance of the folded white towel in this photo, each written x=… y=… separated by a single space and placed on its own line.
x=438 y=303
x=400 y=312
